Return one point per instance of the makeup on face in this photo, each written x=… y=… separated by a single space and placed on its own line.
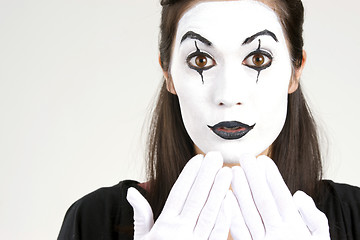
x=231 y=129
x=231 y=69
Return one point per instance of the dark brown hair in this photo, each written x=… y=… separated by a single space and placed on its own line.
x=296 y=149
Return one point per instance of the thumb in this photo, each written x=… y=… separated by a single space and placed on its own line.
x=143 y=215
x=315 y=220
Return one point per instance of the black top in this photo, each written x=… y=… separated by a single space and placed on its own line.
x=105 y=214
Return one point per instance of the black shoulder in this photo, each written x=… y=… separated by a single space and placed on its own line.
x=341 y=204
x=102 y=214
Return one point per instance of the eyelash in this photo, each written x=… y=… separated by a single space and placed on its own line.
x=191 y=61
x=249 y=62
x=258 y=53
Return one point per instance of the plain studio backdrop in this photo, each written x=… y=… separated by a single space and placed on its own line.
x=78 y=78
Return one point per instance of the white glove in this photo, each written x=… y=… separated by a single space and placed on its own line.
x=196 y=207
x=266 y=208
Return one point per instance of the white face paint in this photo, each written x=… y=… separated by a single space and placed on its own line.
x=231 y=70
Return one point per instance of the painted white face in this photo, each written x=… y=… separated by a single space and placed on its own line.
x=231 y=70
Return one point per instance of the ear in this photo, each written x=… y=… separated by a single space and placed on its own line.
x=169 y=83
x=294 y=83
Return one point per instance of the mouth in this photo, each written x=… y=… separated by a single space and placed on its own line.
x=231 y=130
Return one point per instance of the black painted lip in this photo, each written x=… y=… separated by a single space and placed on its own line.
x=231 y=130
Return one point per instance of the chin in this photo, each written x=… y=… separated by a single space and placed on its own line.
x=234 y=157
x=230 y=159
x=232 y=152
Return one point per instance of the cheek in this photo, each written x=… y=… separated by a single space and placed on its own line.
x=194 y=102
x=272 y=93
x=188 y=90
x=189 y=87
x=194 y=110
x=271 y=110
x=272 y=96
x=190 y=96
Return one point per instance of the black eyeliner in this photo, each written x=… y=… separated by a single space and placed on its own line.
x=194 y=54
x=259 y=51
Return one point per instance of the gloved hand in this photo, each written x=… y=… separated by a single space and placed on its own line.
x=266 y=209
x=196 y=207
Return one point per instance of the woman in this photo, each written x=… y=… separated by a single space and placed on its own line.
x=231 y=93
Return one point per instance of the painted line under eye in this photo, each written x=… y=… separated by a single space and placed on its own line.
x=199 y=70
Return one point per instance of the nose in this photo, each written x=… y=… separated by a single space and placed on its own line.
x=226 y=102
x=233 y=87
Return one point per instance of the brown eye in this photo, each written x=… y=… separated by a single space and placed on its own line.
x=200 y=61
x=258 y=60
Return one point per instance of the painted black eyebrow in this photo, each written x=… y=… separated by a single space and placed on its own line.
x=193 y=35
x=265 y=32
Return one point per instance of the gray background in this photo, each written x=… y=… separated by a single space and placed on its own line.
x=77 y=79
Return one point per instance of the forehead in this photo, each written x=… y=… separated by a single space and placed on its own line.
x=229 y=21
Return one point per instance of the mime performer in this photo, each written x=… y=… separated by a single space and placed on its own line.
x=233 y=151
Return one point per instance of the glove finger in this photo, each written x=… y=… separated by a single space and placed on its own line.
x=246 y=204
x=211 y=209
x=238 y=228
x=280 y=191
x=143 y=215
x=315 y=220
x=256 y=177
x=199 y=192
x=223 y=220
x=180 y=190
